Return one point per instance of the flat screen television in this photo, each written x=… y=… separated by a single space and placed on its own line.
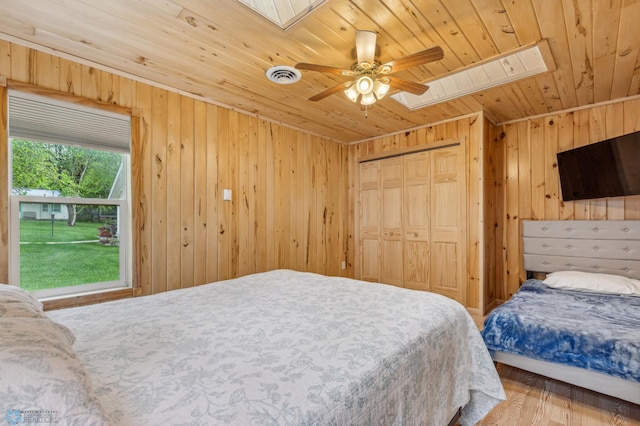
x=610 y=168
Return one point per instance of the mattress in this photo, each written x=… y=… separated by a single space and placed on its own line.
x=285 y=347
x=594 y=331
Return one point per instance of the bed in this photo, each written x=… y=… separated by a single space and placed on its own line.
x=581 y=323
x=280 y=347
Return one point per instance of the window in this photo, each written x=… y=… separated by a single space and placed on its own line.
x=55 y=207
x=69 y=210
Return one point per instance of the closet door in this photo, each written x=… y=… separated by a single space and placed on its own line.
x=413 y=221
x=392 y=236
x=448 y=219
x=416 y=220
x=370 y=218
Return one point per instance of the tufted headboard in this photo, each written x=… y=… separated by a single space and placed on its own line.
x=604 y=246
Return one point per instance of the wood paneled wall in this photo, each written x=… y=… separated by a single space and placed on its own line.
x=473 y=132
x=290 y=188
x=293 y=193
x=525 y=156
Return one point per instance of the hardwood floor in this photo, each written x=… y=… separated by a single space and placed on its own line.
x=537 y=400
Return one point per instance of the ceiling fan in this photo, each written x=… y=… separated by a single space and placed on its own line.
x=372 y=80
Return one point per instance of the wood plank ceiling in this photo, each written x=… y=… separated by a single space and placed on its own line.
x=219 y=50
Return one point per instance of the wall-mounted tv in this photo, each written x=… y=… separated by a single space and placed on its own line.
x=610 y=168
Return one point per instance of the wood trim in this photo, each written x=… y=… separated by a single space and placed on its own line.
x=354 y=211
x=138 y=218
x=569 y=110
x=422 y=127
x=87 y=299
x=547 y=57
x=4 y=189
x=67 y=97
x=412 y=149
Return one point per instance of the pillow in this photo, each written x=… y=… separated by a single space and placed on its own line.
x=16 y=302
x=592 y=282
x=41 y=374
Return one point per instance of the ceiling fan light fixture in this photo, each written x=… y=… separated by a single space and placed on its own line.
x=380 y=89
x=364 y=85
x=352 y=93
x=371 y=81
x=367 y=90
x=368 y=99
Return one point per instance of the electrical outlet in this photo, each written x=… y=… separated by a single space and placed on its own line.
x=226 y=195
x=344 y=264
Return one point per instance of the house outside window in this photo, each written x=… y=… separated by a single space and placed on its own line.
x=69 y=207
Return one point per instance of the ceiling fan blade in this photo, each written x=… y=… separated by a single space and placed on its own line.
x=420 y=58
x=323 y=68
x=366 y=46
x=407 y=86
x=330 y=91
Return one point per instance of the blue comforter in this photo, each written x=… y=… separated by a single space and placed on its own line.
x=597 y=332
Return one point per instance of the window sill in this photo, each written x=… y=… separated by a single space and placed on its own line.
x=72 y=300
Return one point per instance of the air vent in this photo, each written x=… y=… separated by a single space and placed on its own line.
x=282 y=74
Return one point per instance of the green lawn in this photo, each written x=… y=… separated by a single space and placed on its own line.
x=40 y=231
x=64 y=263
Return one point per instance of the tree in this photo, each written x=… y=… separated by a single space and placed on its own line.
x=73 y=171
x=33 y=166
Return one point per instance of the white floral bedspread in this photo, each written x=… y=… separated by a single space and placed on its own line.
x=285 y=348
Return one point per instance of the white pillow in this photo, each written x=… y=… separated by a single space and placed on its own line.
x=16 y=302
x=592 y=282
x=41 y=372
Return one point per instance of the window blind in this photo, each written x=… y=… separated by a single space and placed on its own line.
x=44 y=119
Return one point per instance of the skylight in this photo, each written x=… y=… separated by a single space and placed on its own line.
x=283 y=13
x=505 y=69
